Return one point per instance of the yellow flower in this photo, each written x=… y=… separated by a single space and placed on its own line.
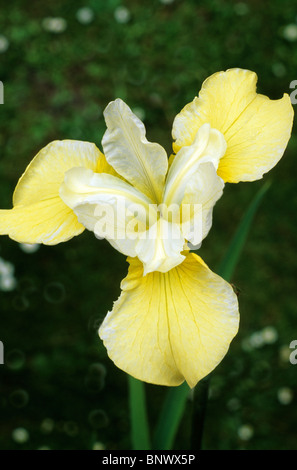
x=175 y=318
x=154 y=211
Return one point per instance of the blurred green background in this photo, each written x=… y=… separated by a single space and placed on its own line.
x=61 y=62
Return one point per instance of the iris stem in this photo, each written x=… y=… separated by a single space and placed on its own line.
x=198 y=412
x=175 y=401
x=168 y=421
x=138 y=414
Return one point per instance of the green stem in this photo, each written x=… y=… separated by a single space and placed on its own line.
x=138 y=414
x=198 y=412
x=168 y=422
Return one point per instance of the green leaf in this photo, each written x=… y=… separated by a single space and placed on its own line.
x=175 y=400
x=231 y=258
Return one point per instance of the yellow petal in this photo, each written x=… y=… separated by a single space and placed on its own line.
x=255 y=128
x=48 y=221
x=39 y=214
x=169 y=327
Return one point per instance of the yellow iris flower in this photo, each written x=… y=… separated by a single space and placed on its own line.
x=175 y=318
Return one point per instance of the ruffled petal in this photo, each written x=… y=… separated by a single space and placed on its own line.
x=108 y=206
x=39 y=214
x=208 y=147
x=255 y=128
x=160 y=247
x=144 y=164
x=169 y=327
x=203 y=190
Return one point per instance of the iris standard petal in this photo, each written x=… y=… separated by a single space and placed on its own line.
x=144 y=164
x=255 y=128
x=39 y=214
x=203 y=190
x=208 y=146
x=169 y=327
x=160 y=247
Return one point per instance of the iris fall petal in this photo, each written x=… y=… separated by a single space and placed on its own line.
x=39 y=215
x=169 y=327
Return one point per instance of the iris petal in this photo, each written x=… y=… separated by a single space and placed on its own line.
x=108 y=206
x=255 y=128
x=39 y=214
x=208 y=146
x=161 y=248
x=203 y=190
x=169 y=327
x=144 y=164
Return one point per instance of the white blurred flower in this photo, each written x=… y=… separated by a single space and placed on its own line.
x=166 y=2
x=85 y=15
x=290 y=32
x=269 y=334
x=4 y=44
x=122 y=14
x=285 y=395
x=54 y=25
x=20 y=435
x=6 y=268
x=256 y=339
x=7 y=284
x=245 y=432
x=7 y=279
x=29 y=248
